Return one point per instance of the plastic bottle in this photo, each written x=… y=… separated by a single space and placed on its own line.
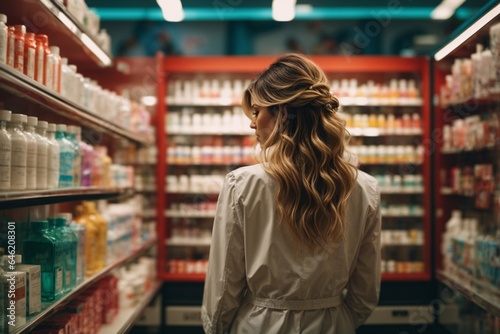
x=29 y=54
x=65 y=78
x=66 y=157
x=56 y=83
x=81 y=232
x=53 y=158
x=19 y=152
x=70 y=241
x=102 y=233
x=451 y=231
x=77 y=176
x=42 y=155
x=91 y=236
x=11 y=36
x=4 y=33
x=5 y=150
x=87 y=152
x=19 y=31
x=42 y=52
x=32 y=139
x=40 y=248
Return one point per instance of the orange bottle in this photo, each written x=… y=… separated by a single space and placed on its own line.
x=91 y=236
x=42 y=51
x=10 y=46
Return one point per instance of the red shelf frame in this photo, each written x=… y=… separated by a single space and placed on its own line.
x=253 y=65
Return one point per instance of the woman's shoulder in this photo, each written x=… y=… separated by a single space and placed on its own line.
x=367 y=183
x=248 y=177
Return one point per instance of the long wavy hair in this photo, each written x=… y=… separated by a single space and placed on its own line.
x=304 y=153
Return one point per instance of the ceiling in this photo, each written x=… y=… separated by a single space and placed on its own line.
x=261 y=9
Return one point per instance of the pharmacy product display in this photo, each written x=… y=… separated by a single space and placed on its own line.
x=69 y=212
x=385 y=103
x=467 y=165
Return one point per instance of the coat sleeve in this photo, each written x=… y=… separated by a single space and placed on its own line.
x=225 y=281
x=364 y=283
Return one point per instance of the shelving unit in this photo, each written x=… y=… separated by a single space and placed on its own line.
x=64 y=30
x=193 y=212
x=22 y=94
x=467 y=164
x=49 y=309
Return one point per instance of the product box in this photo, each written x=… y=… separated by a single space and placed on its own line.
x=34 y=287
x=13 y=303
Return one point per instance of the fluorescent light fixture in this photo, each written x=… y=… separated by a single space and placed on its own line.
x=172 y=10
x=96 y=49
x=283 y=10
x=446 y=9
x=457 y=41
x=304 y=8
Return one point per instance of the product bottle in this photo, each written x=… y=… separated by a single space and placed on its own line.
x=66 y=157
x=452 y=230
x=102 y=233
x=91 y=236
x=19 y=31
x=77 y=178
x=32 y=139
x=42 y=155
x=19 y=152
x=65 y=78
x=5 y=150
x=29 y=55
x=56 y=83
x=81 y=232
x=87 y=152
x=70 y=259
x=42 y=52
x=11 y=36
x=4 y=32
x=40 y=248
x=53 y=158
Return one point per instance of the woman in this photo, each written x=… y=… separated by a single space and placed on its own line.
x=296 y=238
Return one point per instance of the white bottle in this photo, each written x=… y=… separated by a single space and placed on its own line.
x=5 y=150
x=52 y=158
x=32 y=139
x=56 y=75
x=65 y=78
x=42 y=155
x=19 y=152
x=452 y=231
x=3 y=38
x=49 y=71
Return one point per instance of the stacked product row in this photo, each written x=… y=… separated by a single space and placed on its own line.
x=63 y=251
x=191 y=121
x=41 y=155
x=31 y=54
x=228 y=92
x=477 y=76
x=387 y=124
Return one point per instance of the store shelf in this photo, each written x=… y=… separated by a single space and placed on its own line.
x=126 y=317
x=377 y=132
x=49 y=309
x=191 y=192
x=13 y=199
x=51 y=18
x=22 y=86
x=208 y=164
x=474 y=292
x=344 y=102
x=390 y=191
x=188 y=242
x=189 y=214
x=222 y=132
x=390 y=277
x=168 y=277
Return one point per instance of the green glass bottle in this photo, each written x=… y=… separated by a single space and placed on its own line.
x=40 y=247
x=70 y=242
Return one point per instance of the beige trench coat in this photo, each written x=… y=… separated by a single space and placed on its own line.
x=259 y=282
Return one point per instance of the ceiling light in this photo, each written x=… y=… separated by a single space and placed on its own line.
x=283 y=10
x=172 y=10
x=457 y=41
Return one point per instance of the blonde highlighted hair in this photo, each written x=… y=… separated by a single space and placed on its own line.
x=304 y=153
